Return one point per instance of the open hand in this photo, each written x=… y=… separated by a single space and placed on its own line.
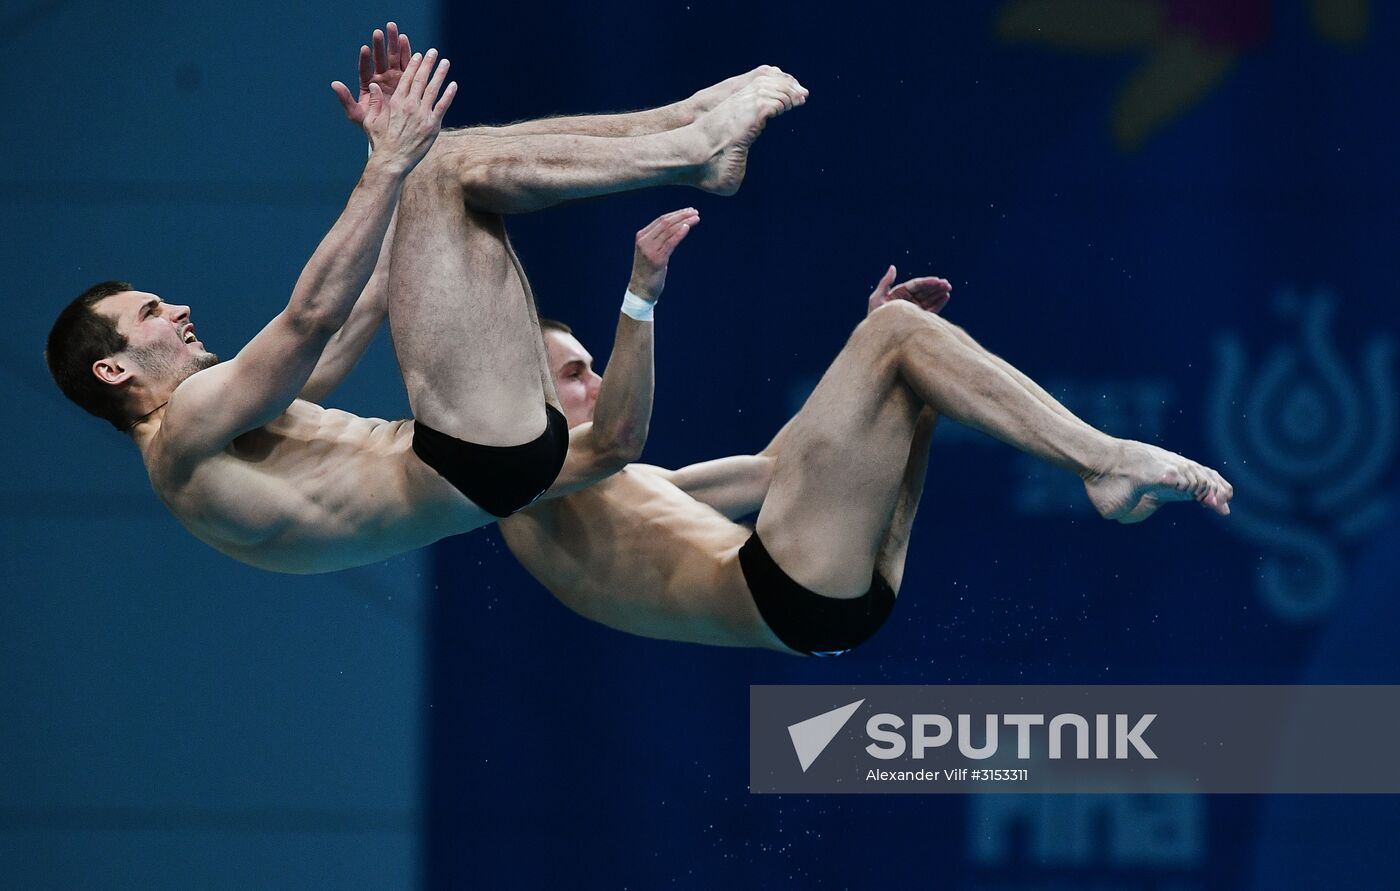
x=654 y=246
x=384 y=65
x=402 y=127
x=929 y=293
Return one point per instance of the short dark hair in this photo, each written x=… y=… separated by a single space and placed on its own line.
x=80 y=337
x=554 y=325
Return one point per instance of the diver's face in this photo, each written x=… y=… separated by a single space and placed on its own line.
x=161 y=341
x=574 y=378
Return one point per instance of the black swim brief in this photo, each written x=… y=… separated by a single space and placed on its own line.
x=501 y=479
x=808 y=622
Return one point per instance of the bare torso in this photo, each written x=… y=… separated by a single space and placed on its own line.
x=316 y=490
x=638 y=554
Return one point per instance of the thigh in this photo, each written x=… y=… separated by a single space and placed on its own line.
x=894 y=546
x=467 y=341
x=839 y=473
x=542 y=353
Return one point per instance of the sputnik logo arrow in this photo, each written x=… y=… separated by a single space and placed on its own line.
x=811 y=737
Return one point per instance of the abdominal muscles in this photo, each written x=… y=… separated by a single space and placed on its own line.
x=318 y=490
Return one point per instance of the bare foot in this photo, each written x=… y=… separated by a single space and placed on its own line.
x=706 y=99
x=733 y=125
x=1142 y=478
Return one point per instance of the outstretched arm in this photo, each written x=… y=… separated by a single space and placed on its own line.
x=622 y=414
x=382 y=66
x=215 y=406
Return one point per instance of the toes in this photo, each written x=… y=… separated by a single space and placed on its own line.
x=1181 y=487
x=1218 y=492
x=1224 y=485
x=1200 y=484
x=1222 y=500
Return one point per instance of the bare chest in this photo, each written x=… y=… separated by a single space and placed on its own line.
x=311 y=477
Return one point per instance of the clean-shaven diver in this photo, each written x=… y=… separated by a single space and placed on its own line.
x=249 y=463
x=656 y=552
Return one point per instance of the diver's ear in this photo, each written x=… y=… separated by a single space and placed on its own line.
x=111 y=370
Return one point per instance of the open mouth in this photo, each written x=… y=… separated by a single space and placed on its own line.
x=189 y=335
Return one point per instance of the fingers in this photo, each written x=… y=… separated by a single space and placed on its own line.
x=405 y=51
x=376 y=99
x=928 y=292
x=446 y=101
x=420 y=75
x=405 y=88
x=927 y=288
x=366 y=68
x=928 y=283
x=347 y=101
x=675 y=236
x=647 y=233
x=663 y=221
x=391 y=45
x=435 y=85
x=657 y=229
x=381 y=59
x=881 y=294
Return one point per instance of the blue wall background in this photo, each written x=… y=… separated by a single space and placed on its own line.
x=1178 y=215
x=170 y=718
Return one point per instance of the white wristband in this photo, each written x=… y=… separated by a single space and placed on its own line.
x=638 y=308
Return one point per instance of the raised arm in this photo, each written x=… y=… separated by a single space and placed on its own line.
x=216 y=405
x=344 y=350
x=382 y=66
x=622 y=414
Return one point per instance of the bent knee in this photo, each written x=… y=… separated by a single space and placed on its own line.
x=452 y=165
x=893 y=323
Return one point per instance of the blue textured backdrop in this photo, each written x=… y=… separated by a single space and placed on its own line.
x=1179 y=215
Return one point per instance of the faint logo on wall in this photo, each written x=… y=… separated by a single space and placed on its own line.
x=1123 y=838
x=1137 y=408
x=1308 y=438
x=1188 y=48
